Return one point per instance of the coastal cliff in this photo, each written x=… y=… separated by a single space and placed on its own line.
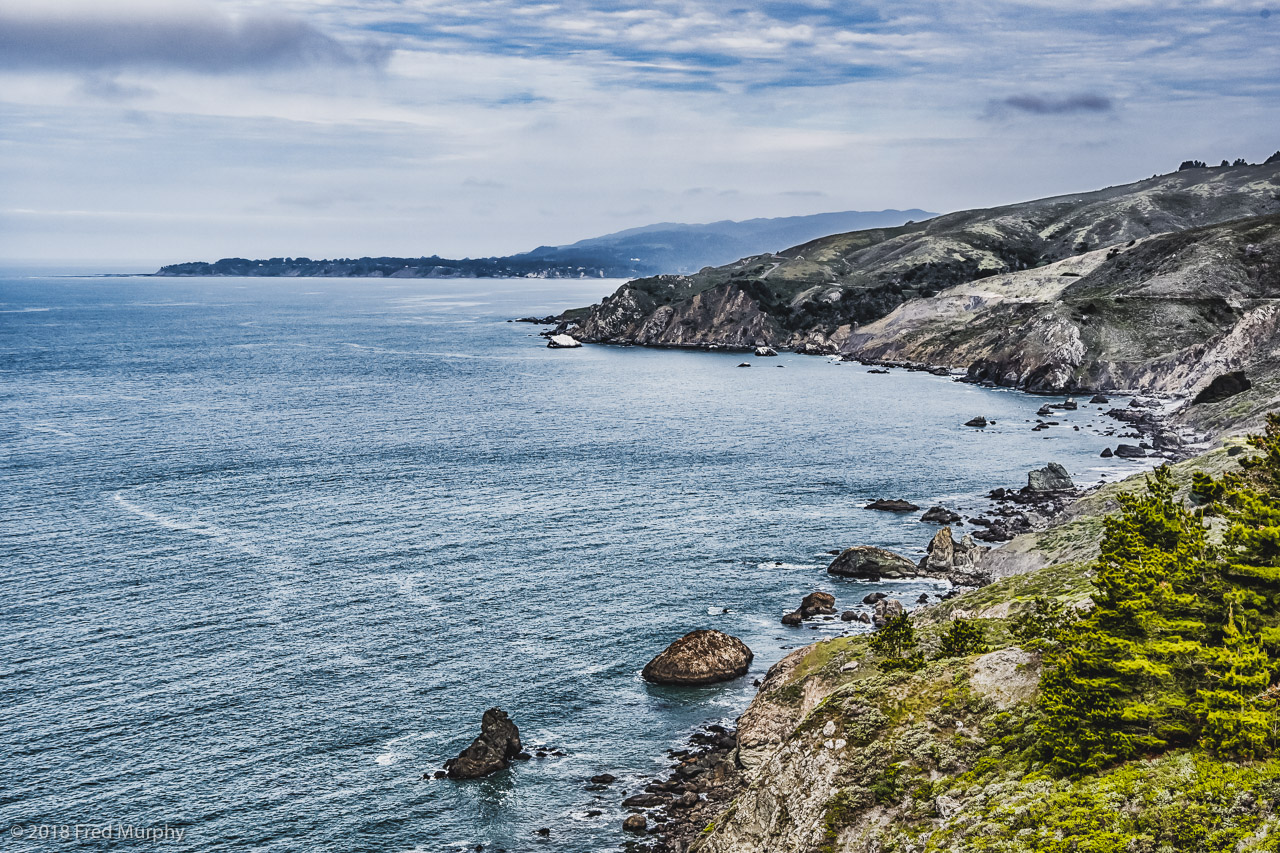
x=817 y=294
x=845 y=750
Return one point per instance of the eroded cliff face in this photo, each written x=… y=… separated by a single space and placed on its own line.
x=1166 y=315
x=821 y=293
x=725 y=315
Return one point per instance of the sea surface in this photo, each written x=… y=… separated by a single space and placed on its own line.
x=270 y=547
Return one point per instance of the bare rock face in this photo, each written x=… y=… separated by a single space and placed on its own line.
x=498 y=743
x=956 y=561
x=817 y=604
x=1051 y=478
x=700 y=657
x=886 y=609
x=1006 y=677
x=1222 y=387
x=562 y=342
x=867 y=562
x=940 y=515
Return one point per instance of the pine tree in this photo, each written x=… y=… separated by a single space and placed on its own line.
x=1119 y=684
x=1237 y=719
x=896 y=644
x=964 y=637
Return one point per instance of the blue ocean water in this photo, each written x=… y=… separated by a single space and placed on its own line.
x=270 y=548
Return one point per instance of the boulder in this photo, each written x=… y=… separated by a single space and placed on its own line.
x=700 y=657
x=886 y=609
x=873 y=597
x=1106 y=453
x=817 y=604
x=1129 y=451
x=892 y=505
x=764 y=352
x=1222 y=387
x=562 y=342
x=792 y=619
x=1100 y=399
x=604 y=779
x=979 y=421
x=1044 y=411
x=745 y=364
x=923 y=599
x=848 y=616
x=491 y=751
x=636 y=824
x=940 y=515
x=868 y=562
x=1051 y=478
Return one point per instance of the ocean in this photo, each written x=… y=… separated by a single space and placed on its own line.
x=270 y=547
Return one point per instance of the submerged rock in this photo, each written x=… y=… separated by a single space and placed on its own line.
x=892 y=505
x=700 y=657
x=491 y=751
x=562 y=342
x=868 y=562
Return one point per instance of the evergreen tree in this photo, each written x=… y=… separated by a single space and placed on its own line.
x=963 y=637
x=896 y=644
x=1119 y=684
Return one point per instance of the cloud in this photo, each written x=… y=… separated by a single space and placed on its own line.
x=185 y=36
x=1043 y=105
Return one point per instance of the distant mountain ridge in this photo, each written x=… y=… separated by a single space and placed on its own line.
x=665 y=247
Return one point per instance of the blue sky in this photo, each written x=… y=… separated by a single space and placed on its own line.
x=167 y=130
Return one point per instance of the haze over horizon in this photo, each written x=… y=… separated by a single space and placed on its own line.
x=139 y=131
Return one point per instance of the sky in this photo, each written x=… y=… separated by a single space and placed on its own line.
x=159 y=131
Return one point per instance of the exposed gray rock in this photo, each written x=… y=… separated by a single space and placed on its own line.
x=700 y=657
x=491 y=751
x=764 y=352
x=1106 y=453
x=955 y=561
x=886 y=609
x=976 y=422
x=868 y=562
x=1129 y=451
x=1222 y=387
x=635 y=823
x=1051 y=478
x=792 y=619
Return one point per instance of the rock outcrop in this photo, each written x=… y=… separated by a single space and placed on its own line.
x=700 y=657
x=892 y=505
x=958 y=562
x=562 y=342
x=940 y=515
x=1051 y=478
x=491 y=751
x=867 y=562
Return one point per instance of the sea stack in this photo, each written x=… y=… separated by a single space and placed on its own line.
x=700 y=657
x=491 y=751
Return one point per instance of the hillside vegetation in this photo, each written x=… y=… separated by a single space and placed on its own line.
x=1126 y=703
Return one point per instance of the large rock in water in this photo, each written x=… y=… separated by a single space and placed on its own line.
x=498 y=743
x=818 y=604
x=1051 y=478
x=892 y=505
x=700 y=657
x=562 y=342
x=867 y=562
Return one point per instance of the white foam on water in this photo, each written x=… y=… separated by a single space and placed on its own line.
x=51 y=430
x=24 y=310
